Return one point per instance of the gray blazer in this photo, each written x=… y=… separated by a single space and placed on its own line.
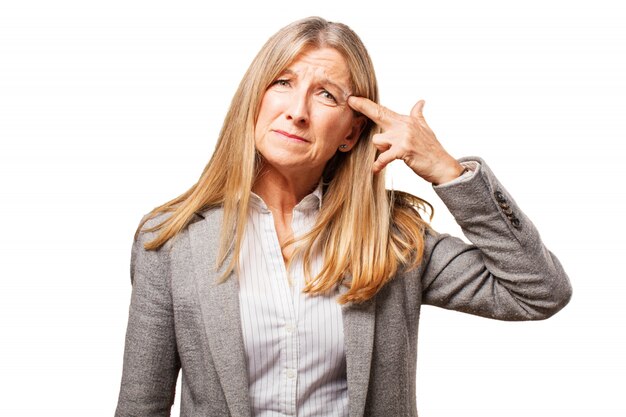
x=179 y=317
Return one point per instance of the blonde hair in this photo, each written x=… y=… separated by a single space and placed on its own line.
x=365 y=232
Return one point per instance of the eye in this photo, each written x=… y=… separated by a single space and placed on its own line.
x=281 y=82
x=328 y=96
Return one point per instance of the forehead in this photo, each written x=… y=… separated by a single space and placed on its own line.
x=321 y=62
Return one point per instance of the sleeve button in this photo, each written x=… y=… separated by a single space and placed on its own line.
x=516 y=223
x=499 y=197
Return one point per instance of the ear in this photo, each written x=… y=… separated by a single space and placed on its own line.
x=358 y=124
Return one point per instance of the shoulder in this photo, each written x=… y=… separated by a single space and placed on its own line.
x=149 y=225
x=211 y=214
x=150 y=220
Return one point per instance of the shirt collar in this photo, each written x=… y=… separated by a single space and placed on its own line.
x=312 y=201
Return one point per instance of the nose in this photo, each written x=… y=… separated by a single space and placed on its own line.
x=298 y=108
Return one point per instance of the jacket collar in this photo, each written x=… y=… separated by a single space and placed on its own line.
x=219 y=303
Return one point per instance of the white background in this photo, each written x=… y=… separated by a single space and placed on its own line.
x=108 y=109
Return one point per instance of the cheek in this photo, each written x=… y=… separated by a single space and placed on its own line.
x=336 y=124
x=263 y=111
x=269 y=108
x=263 y=121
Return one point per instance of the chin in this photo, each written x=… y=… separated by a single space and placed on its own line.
x=290 y=165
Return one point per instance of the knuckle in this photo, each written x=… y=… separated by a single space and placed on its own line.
x=381 y=113
x=414 y=124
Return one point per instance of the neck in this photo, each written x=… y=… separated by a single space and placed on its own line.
x=281 y=192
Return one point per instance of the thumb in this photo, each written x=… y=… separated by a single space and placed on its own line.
x=416 y=111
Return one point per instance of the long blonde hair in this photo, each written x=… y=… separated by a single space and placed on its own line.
x=365 y=231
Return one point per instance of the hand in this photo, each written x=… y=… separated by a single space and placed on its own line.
x=408 y=138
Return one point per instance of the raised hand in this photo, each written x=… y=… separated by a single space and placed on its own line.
x=410 y=139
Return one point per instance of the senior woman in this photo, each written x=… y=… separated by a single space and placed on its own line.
x=288 y=280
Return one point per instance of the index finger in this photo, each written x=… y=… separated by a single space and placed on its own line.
x=374 y=111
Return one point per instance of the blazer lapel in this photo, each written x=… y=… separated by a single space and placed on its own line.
x=358 y=328
x=220 y=312
x=219 y=304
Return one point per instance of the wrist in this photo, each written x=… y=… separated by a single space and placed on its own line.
x=449 y=173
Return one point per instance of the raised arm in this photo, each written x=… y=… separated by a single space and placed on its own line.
x=506 y=273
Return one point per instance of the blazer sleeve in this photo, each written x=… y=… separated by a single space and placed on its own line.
x=506 y=273
x=151 y=361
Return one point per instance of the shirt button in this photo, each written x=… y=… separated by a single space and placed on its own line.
x=291 y=374
x=289 y=327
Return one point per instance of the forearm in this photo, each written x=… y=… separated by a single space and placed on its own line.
x=507 y=273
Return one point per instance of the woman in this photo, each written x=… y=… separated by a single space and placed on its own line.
x=288 y=281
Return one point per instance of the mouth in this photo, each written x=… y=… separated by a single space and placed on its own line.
x=290 y=136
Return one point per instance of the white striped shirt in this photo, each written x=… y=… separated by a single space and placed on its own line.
x=294 y=342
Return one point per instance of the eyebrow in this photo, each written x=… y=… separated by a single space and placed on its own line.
x=324 y=81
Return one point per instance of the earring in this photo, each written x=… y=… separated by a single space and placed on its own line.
x=344 y=146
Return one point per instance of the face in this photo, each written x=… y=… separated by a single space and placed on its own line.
x=304 y=117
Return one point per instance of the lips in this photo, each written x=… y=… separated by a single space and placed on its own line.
x=291 y=136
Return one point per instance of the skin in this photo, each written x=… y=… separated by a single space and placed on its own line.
x=306 y=115
x=410 y=139
x=303 y=120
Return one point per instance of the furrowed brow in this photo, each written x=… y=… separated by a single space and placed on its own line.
x=345 y=93
x=287 y=71
x=327 y=81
